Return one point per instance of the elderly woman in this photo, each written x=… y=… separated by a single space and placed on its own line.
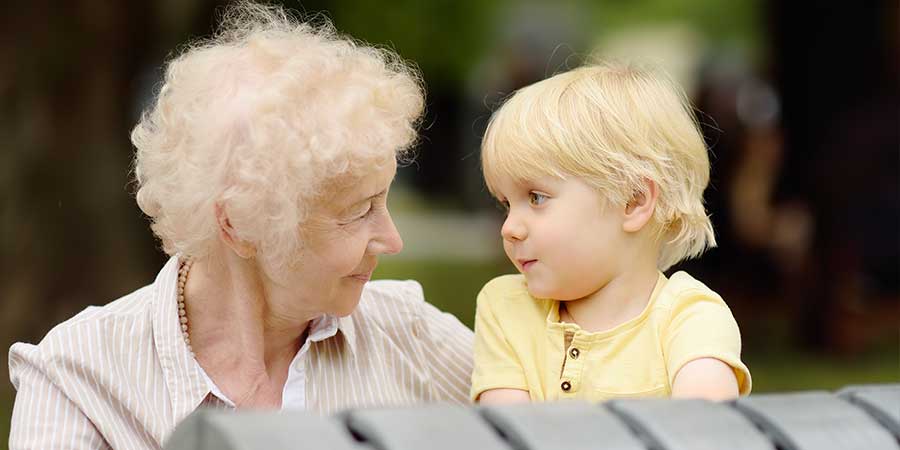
x=265 y=165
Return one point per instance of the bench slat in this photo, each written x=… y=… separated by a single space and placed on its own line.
x=568 y=425
x=815 y=421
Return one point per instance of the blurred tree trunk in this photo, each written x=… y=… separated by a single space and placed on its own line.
x=70 y=83
x=67 y=155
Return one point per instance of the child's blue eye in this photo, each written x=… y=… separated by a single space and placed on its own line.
x=536 y=198
x=504 y=205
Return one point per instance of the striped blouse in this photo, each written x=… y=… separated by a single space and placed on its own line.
x=120 y=376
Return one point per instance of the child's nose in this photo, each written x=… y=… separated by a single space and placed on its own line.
x=513 y=229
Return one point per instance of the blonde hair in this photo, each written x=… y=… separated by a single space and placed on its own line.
x=260 y=119
x=614 y=126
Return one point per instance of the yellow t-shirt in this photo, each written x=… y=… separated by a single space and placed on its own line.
x=521 y=344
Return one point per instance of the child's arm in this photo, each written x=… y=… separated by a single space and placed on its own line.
x=501 y=396
x=702 y=344
x=707 y=378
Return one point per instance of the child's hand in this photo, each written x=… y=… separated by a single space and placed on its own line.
x=707 y=378
x=504 y=396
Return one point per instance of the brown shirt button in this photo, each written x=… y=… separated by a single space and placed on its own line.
x=574 y=352
x=566 y=386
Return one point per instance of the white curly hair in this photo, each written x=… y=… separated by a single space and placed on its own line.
x=261 y=118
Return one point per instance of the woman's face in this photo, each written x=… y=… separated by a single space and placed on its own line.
x=342 y=240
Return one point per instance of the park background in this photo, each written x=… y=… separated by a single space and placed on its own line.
x=798 y=102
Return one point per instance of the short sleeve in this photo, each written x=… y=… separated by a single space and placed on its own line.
x=497 y=365
x=702 y=326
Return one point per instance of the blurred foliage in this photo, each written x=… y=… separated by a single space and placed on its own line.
x=448 y=38
x=732 y=23
x=444 y=37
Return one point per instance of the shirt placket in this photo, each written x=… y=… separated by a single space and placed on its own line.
x=570 y=379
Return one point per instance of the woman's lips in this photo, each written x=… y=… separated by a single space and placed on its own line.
x=364 y=276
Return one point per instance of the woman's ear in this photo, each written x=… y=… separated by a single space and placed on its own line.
x=639 y=210
x=229 y=236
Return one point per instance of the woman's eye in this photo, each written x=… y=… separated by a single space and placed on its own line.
x=358 y=216
x=536 y=198
x=364 y=213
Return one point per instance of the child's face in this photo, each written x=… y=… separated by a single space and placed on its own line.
x=561 y=235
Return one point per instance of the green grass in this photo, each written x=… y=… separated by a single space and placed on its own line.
x=794 y=371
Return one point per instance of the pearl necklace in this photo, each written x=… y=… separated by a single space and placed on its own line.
x=182 y=314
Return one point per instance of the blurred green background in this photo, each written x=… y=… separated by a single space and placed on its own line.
x=799 y=104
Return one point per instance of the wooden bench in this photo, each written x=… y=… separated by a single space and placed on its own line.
x=865 y=417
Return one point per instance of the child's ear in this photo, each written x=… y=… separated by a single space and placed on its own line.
x=639 y=210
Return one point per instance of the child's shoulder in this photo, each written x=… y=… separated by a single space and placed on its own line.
x=681 y=289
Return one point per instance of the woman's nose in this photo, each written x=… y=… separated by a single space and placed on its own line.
x=388 y=241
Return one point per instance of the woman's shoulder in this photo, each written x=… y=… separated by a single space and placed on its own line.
x=399 y=305
x=390 y=302
x=83 y=337
x=403 y=294
x=125 y=310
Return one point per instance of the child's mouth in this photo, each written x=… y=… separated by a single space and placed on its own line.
x=527 y=263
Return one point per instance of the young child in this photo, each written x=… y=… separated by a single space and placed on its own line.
x=602 y=171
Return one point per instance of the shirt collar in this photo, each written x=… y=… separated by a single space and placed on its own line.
x=186 y=385
x=328 y=326
x=553 y=320
x=348 y=329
